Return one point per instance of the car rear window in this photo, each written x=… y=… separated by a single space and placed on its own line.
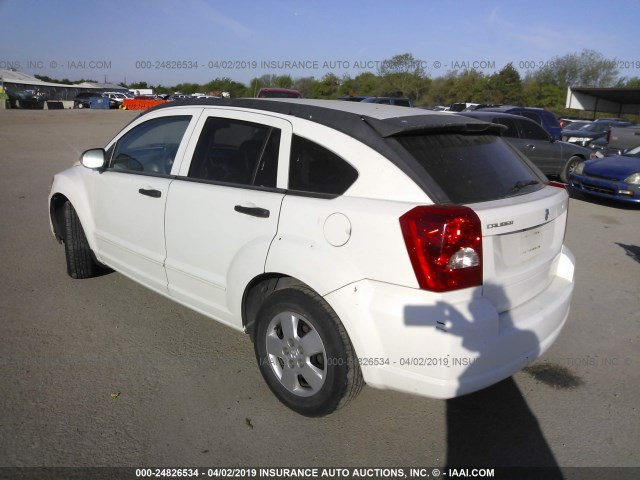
x=314 y=169
x=472 y=168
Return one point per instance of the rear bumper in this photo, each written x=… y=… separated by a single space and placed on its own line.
x=443 y=347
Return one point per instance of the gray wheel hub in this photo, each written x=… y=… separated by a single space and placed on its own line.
x=297 y=355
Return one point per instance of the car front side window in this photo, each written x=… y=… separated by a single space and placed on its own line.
x=151 y=147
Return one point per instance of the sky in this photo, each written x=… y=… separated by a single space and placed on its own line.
x=167 y=42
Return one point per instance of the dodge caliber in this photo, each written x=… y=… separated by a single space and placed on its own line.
x=353 y=242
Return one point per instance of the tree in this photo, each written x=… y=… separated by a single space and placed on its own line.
x=630 y=82
x=284 y=81
x=225 y=84
x=139 y=85
x=506 y=86
x=403 y=75
x=327 y=87
x=471 y=86
x=586 y=69
x=305 y=85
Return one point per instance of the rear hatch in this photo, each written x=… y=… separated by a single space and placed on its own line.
x=521 y=245
x=521 y=220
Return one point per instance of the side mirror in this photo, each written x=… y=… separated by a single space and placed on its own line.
x=93 y=159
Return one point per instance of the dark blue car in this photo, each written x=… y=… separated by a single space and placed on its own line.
x=616 y=177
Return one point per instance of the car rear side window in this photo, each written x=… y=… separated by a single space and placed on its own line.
x=510 y=123
x=314 y=169
x=533 y=131
x=472 y=168
x=237 y=152
x=150 y=147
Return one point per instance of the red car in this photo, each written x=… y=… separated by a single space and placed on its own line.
x=278 y=93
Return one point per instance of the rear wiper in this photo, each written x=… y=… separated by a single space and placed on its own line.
x=520 y=184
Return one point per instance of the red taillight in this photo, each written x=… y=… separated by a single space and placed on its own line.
x=557 y=184
x=444 y=245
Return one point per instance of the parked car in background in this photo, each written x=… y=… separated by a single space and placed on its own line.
x=574 y=125
x=616 y=177
x=351 y=98
x=278 y=93
x=398 y=101
x=594 y=130
x=461 y=106
x=117 y=96
x=83 y=100
x=542 y=117
x=553 y=157
x=261 y=213
x=621 y=139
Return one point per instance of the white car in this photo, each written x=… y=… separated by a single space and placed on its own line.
x=354 y=242
x=117 y=96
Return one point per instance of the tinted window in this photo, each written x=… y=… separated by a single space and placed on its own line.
x=403 y=103
x=510 y=123
x=232 y=151
x=532 y=131
x=533 y=116
x=550 y=119
x=599 y=126
x=317 y=170
x=472 y=168
x=150 y=147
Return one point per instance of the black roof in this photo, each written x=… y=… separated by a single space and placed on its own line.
x=348 y=117
x=373 y=124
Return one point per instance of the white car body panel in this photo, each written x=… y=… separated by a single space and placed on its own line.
x=129 y=231
x=192 y=245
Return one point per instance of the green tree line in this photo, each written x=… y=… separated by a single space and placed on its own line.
x=404 y=75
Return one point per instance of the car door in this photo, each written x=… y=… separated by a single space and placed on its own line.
x=129 y=196
x=223 y=209
x=536 y=144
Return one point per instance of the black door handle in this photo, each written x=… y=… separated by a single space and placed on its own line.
x=150 y=193
x=253 y=211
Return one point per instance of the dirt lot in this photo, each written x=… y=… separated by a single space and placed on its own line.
x=102 y=372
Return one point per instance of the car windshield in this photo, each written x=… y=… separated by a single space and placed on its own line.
x=577 y=125
x=633 y=152
x=595 y=127
x=472 y=168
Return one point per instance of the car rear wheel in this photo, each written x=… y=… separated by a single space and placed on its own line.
x=570 y=166
x=80 y=262
x=305 y=354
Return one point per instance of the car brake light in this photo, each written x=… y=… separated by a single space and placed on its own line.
x=557 y=184
x=445 y=246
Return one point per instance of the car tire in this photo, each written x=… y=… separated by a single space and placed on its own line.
x=80 y=261
x=569 y=167
x=304 y=352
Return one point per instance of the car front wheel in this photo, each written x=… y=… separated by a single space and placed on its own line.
x=570 y=166
x=305 y=354
x=80 y=262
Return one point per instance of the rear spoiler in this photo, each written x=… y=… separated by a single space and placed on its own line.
x=428 y=124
